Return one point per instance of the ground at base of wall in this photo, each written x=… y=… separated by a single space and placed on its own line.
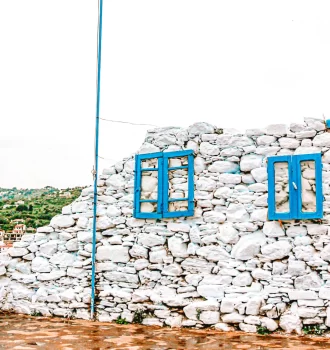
x=28 y=332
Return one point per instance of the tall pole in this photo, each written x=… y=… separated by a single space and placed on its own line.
x=96 y=163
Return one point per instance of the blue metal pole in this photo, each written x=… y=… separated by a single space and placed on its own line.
x=97 y=121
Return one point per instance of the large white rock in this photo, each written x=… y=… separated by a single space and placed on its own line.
x=250 y=161
x=114 y=253
x=327 y=320
x=177 y=247
x=243 y=279
x=288 y=142
x=48 y=248
x=208 y=149
x=277 y=250
x=227 y=233
x=113 y=211
x=17 y=252
x=308 y=282
x=200 y=128
x=62 y=221
x=233 y=317
x=276 y=129
x=40 y=264
x=322 y=140
x=237 y=213
x=213 y=253
x=51 y=276
x=63 y=259
x=265 y=140
x=325 y=253
x=194 y=308
x=210 y=317
x=290 y=322
x=273 y=229
x=248 y=246
x=72 y=245
x=151 y=240
x=260 y=174
x=214 y=217
x=2 y=272
x=223 y=166
x=206 y=184
x=230 y=178
x=116 y=181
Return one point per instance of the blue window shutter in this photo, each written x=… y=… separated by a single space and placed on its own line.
x=190 y=198
x=272 y=214
x=137 y=186
x=317 y=158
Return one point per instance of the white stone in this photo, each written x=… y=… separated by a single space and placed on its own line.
x=209 y=317
x=223 y=166
x=288 y=142
x=248 y=246
x=248 y=328
x=227 y=233
x=250 y=161
x=265 y=140
x=214 y=217
x=192 y=309
x=62 y=259
x=151 y=240
x=205 y=184
x=213 y=253
x=237 y=213
x=62 y=221
x=308 y=281
x=273 y=229
x=290 y=322
x=230 y=178
x=208 y=149
x=113 y=253
x=17 y=252
x=243 y=279
x=277 y=250
x=276 y=129
x=233 y=317
x=269 y=323
x=200 y=128
x=177 y=247
x=296 y=267
x=40 y=264
x=178 y=227
x=260 y=174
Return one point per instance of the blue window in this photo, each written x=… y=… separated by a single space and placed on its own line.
x=164 y=185
x=295 y=187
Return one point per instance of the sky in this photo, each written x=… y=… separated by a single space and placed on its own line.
x=238 y=64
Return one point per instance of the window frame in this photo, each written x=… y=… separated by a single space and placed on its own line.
x=163 y=177
x=295 y=195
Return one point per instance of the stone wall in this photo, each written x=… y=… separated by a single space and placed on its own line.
x=226 y=266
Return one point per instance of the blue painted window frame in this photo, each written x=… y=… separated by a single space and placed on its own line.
x=295 y=194
x=163 y=200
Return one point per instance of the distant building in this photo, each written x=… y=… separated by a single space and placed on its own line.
x=19 y=203
x=6 y=206
x=18 y=231
x=66 y=194
x=17 y=221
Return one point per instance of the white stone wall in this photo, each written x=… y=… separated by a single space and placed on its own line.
x=226 y=266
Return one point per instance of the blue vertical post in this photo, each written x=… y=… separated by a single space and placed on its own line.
x=97 y=121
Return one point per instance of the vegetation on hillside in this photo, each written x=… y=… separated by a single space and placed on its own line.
x=39 y=206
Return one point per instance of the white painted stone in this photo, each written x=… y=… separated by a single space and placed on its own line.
x=223 y=166
x=113 y=253
x=62 y=221
x=192 y=309
x=213 y=253
x=248 y=246
x=277 y=250
x=40 y=264
x=237 y=213
x=151 y=240
x=17 y=252
x=233 y=317
x=214 y=217
x=250 y=161
x=276 y=129
x=260 y=174
x=290 y=322
x=273 y=229
x=288 y=142
x=177 y=247
x=227 y=233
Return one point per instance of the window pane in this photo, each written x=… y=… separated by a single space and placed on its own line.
x=282 y=204
x=308 y=187
x=149 y=163
x=178 y=206
x=178 y=183
x=149 y=186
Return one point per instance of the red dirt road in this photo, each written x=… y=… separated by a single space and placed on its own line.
x=26 y=332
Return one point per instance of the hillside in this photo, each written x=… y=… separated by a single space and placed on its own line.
x=35 y=206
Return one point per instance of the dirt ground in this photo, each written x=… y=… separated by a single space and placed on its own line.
x=27 y=332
